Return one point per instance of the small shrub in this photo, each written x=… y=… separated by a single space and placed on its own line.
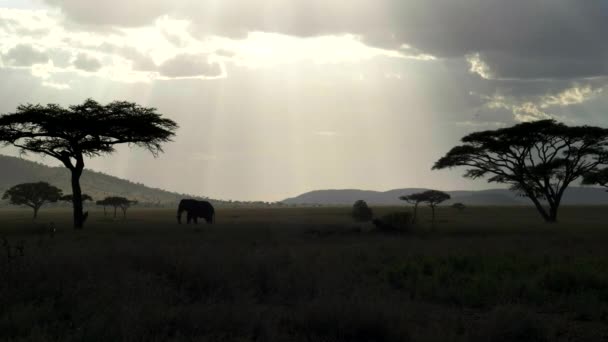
x=361 y=212
x=459 y=206
x=394 y=222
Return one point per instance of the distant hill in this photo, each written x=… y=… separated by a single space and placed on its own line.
x=15 y=170
x=573 y=196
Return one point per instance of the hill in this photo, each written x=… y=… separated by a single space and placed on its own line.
x=573 y=196
x=15 y=170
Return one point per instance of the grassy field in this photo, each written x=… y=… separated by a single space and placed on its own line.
x=485 y=274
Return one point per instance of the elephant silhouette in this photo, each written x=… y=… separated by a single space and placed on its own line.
x=195 y=209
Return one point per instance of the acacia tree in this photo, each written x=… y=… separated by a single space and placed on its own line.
x=103 y=203
x=117 y=202
x=414 y=199
x=537 y=159
x=434 y=198
x=33 y=195
x=86 y=130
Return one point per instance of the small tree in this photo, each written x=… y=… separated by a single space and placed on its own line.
x=537 y=159
x=87 y=130
x=361 y=212
x=33 y=195
x=459 y=206
x=104 y=204
x=117 y=202
x=414 y=199
x=434 y=198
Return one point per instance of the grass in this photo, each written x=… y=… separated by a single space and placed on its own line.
x=306 y=274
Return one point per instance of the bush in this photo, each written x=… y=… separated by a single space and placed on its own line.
x=394 y=222
x=361 y=212
x=459 y=206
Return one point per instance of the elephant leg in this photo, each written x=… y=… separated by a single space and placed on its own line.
x=195 y=219
x=189 y=218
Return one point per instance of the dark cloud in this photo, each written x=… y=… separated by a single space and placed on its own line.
x=87 y=63
x=25 y=55
x=517 y=39
x=186 y=65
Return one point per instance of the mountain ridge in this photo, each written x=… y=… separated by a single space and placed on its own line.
x=15 y=170
x=496 y=197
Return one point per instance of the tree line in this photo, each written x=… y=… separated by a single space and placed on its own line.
x=36 y=195
x=538 y=160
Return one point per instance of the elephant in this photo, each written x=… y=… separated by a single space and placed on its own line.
x=195 y=209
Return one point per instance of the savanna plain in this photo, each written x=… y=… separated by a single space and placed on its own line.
x=305 y=274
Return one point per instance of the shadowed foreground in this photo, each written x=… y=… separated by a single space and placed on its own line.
x=487 y=274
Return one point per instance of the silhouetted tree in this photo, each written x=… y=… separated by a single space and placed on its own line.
x=85 y=130
x=33 y=195
x=434 y=198
x=118 y=202
x=414 y=199
x=361 y=212
x=596 y=177
x=104 y=204
x=538 y=159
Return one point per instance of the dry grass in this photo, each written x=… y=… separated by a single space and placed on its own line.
x=487 y=274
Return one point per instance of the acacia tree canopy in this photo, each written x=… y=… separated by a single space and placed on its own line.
x=435 y=197
x=537 y=159
x=33 y=195
x=414 y=199
x=117 y=202
x=596 y=177
x=86 y=130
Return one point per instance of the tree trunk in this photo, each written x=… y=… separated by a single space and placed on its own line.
x=540 y=208
x=553 y=213
x=36 y=212
x=77 y=198
x=115 y=212
x=415 y=213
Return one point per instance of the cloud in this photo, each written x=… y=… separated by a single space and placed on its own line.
x=140 y=61
x=87 y=63
x=557 y=39
x=479 y=67
x=480 y=124
x=119 y=13
x=186 y=66
x=574 y=95
x=25 y=55
x=539 y=107
x=54 y=85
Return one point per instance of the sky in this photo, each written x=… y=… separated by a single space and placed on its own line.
x=278 y=97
